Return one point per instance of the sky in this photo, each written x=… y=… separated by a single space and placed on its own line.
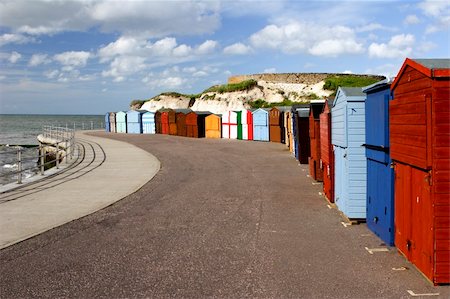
x=95 y=56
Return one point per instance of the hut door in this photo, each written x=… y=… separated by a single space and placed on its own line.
x=422 y=234
x=403 y=209
x=413 y=216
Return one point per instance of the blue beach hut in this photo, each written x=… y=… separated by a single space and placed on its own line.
x=380 y=175
x=261 y=124
x=148 y=123
x=121 y=122
x=107 y=123
x=134 y=122
x=348 y=136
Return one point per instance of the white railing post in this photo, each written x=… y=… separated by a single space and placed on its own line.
x=41 y=158
x=19 y=165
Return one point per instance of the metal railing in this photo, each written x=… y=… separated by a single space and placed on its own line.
x=60 y=140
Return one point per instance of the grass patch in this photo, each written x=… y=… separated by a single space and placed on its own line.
x=244 y=85
x=177 y=94
x=333 y=82
x=137 y=103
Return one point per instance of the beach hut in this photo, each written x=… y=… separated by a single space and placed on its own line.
x=229 y=125
x=244 y=124
x=213 y=126
x=287 y=128
x=275 y=124
x=380 y=175
x=134 y=122
x=291 y=132
x=326 y=151
x=107 y=124
x=348 y=136
x=112 y=122
x=158 y=126
x=316 y=108
x=172 y=118
x=148 y=123
x=261 y=124
x=165 y=126
x=301 y=132
x=420 y=149
x=195 y=123
x=180 y=119
x=121 y=122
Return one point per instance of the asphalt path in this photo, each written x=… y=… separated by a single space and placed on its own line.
x=222 y=218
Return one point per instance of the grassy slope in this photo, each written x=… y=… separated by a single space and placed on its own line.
x=331 y=83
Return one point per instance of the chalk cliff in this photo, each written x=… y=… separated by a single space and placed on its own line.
x=270 y=88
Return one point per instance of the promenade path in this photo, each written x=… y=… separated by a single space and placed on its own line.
x=222 y=218
x=98 y=177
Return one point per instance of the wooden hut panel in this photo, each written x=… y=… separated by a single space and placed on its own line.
x=181 y=124
x=107 y=123
x=121 y=122
x=261 y=125
x=229 y=125
x=158 y=122
x=165 y=122
x=350 y=162
x=134 y=122
x=422 y=164
x=213 y=126
x=148 y=123
x=112 y=122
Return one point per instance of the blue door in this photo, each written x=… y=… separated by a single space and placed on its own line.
x=107 y=124
x=380 y=206
x=340 y=178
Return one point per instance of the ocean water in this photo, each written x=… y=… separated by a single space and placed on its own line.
x=22 y=130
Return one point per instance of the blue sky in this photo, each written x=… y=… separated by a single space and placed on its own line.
x=94 y=56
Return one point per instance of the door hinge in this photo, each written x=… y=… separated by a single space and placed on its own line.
x=429 y=179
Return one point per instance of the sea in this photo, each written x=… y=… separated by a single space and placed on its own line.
x=22 y=131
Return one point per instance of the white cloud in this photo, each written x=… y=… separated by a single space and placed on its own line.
x=373 y=27
x=73 y=58
x=399 y=46
x=200 y=74
x=163 y=47
x=439 y=12
x=51 y=74
x=182 y=51
x=207 y=47
x=411 y=20
x=435 y=8
x=270 y=70
x=14 y=57
x=237 y=49
x=172 y=82
x=347 y=72
x=334 y=47
x=123 y=66
x=122 y=46
x=14 y=38
x=298 y=37
x=149 y=18
x=38 y=59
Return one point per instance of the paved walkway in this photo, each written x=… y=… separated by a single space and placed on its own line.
x=105 y=172
x=221 y=219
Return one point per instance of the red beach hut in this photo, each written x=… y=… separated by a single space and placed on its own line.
x=326 y=151
x=165 y=121
x=420 y=148
x=315 y=171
